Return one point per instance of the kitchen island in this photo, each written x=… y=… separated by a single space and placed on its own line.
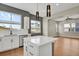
x=39 y=46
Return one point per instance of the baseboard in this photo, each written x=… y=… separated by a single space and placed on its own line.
x=69 y=37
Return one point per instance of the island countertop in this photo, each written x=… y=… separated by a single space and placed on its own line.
x=40 y=40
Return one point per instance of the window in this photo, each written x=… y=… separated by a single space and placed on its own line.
x=67 y=27
x=5 y=16
x=16 y=18
x=16 y=26
x=6 y=26
x=35 y=27
x=77 y=27
x=10 y=20
x=73 y=27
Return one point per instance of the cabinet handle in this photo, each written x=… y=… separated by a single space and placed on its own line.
x=0 y=40
x=26 y=48
x=31 y=53
x=11 y=40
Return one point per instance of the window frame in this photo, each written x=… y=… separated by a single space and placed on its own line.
x=33 y=34
x=76 y=28
x=67 y=27
x=72 y=28
x=11 y=22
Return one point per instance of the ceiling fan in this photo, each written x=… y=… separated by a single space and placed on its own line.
x=70 y=18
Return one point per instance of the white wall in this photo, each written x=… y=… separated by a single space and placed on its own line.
x=52 y=30
x=66 y=13
x=45 y=26
x=49 y=27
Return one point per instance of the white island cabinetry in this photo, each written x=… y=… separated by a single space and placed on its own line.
x=38 y=46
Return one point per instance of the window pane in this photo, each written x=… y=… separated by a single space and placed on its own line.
x=66 y=30
x=77 y=27
x=4 y=26
x=5 y=16
x=35 y=26
x=16 y=18
x=10 y=20
x=72 y=25
x=14 y=26
x=66 y=25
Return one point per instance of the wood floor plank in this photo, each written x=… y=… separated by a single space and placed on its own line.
x=66 y=47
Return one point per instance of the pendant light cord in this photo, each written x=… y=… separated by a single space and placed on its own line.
x=37 y=5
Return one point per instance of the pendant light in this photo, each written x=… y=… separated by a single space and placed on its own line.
x=37 y=13
x=48 y=10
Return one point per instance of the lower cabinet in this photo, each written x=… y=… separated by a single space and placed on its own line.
x=9 y=42
x=33 y=50
x=6 y=43
x=15 y=42
x=1 y=44
x=21 y=42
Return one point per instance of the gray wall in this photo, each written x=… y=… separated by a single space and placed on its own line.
x=7 y=8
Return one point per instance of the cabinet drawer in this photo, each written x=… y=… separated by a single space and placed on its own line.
x=30 y=53
x=31 y=45
x=32 y=50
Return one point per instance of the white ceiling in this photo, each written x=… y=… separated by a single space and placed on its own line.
x=32 y=7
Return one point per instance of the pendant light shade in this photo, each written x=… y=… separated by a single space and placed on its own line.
x=48 y=11
x=37 y=15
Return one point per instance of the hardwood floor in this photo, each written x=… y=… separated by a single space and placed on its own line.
x=62 y=47
x=14 y=52
x=66 y=47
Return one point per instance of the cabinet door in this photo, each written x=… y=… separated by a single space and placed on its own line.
x=15 y=41
x=6 y=42
x=21 y=41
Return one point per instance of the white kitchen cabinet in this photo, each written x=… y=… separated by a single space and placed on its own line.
x=9 y=42
x=39 y=46
x=15 y=41
x=1 y=48
x=6 y=43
